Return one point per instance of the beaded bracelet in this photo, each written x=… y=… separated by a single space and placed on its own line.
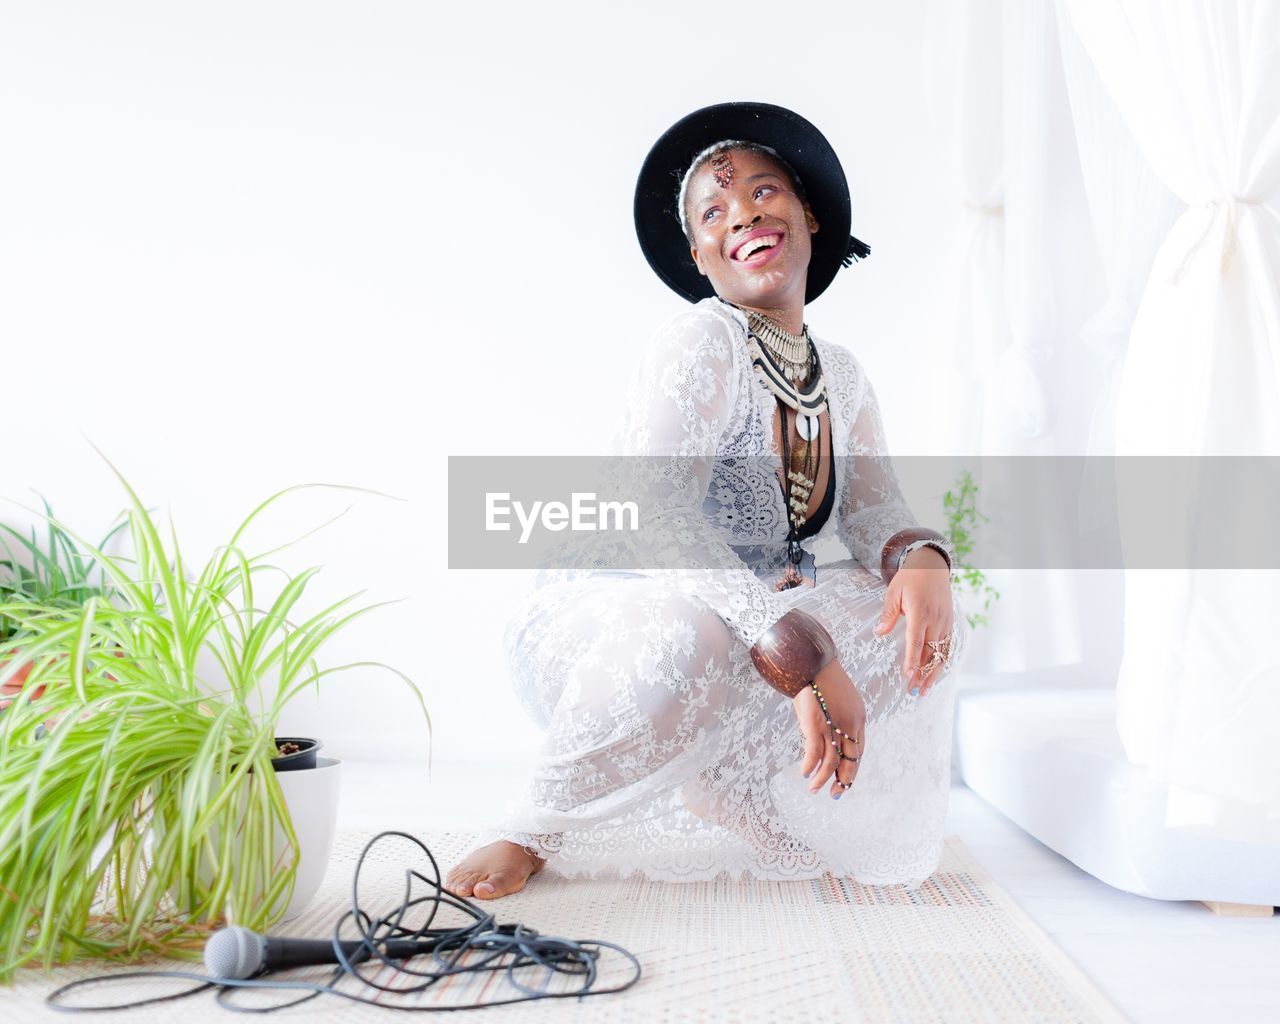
x=790 y=654
x=840 y=754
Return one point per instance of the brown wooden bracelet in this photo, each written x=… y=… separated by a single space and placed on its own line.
x=899 y=542
x=791 y=652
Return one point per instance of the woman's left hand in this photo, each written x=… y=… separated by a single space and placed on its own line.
x=920 y=590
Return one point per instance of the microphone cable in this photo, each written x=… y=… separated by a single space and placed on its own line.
x=506 y=948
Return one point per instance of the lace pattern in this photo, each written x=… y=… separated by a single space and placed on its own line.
x=665 y=752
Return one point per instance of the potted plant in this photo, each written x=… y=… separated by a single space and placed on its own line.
x=151 y=813
x=57 y=573
x=960 y=507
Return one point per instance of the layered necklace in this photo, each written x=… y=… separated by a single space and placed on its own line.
x=789 y=366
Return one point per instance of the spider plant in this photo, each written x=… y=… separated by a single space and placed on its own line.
x=55 y=572
x=145 y=812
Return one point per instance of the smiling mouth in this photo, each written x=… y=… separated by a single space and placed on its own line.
x=754 y=246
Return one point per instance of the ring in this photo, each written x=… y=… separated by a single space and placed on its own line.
x=941 y=648
x=941 y=652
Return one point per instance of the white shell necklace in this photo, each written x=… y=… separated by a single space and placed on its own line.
x=794 y=378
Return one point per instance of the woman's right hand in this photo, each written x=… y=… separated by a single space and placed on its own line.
x=848 y=711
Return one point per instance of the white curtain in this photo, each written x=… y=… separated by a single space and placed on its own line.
x=1131 y=212
x=1198 y=83
x=969 y=331
x=962 y=70
x=989 y=66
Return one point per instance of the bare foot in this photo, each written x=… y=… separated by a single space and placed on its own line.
x=495 y=870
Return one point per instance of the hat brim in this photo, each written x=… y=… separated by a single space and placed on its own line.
x=796 y=140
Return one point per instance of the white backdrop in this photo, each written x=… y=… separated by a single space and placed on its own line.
x=256 y=244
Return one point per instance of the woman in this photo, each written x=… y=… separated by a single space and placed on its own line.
x=685 y=711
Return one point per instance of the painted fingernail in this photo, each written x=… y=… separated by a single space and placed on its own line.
x=808 y=773
x=915 y=690
x=837 y=794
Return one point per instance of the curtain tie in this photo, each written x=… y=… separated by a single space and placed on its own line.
x=1231 y=202
x=989 y=211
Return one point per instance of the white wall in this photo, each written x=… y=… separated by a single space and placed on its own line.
x=247 y=245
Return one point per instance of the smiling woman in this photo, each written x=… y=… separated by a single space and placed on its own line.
x=748 y=223
x=741 y=178
x=684 y=705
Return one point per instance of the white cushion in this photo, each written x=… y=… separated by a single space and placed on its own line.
x=1051 y=761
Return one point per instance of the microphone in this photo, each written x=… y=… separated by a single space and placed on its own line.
x=236 y=953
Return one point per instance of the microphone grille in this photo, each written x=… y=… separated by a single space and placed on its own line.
x=233 y=953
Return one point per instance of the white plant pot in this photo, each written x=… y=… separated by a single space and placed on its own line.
x=311 y=800
x=311 y=795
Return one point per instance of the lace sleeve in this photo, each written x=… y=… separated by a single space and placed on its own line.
x=681 y=404
x=872 y=509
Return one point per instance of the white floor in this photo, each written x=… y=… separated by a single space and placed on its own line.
x=1159 y=962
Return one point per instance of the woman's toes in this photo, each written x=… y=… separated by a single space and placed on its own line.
x=461 y=883
x=492 y=871
x=499 y=883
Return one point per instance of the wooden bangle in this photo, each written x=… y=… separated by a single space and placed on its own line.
x=792 y=652
x=899 y=542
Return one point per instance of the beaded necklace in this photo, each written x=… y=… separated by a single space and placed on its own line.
x=789 y=366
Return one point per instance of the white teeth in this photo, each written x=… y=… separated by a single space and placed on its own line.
x=750 y=248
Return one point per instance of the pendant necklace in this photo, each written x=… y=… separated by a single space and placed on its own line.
x=789 y=366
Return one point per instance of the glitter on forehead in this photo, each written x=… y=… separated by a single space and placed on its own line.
x=722 y=169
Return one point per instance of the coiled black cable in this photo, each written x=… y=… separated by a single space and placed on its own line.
x=524 y=947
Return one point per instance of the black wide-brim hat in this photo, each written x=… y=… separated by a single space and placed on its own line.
x=796 y=140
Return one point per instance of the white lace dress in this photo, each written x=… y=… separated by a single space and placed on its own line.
x=665 y=751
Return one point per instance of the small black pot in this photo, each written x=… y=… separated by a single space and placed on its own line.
x=299 y=760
